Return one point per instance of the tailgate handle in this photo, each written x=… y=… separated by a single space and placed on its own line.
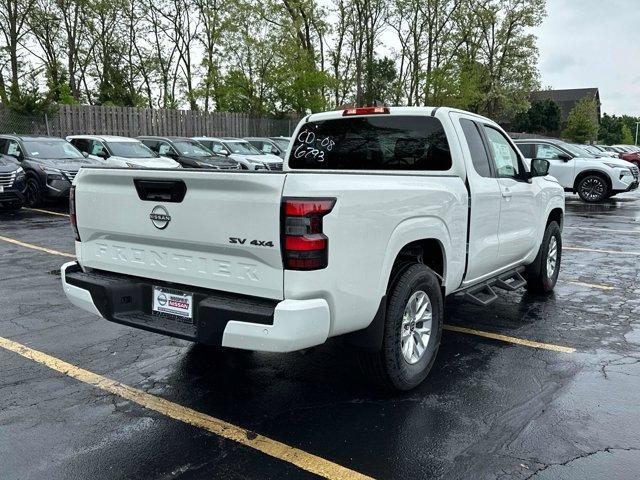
x=160 y=190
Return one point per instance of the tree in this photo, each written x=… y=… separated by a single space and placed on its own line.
x=542 y=117
x=627 y=135
x=582 y=125
x=508 y=52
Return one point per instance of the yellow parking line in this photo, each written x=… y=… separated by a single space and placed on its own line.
x=590 y=285
x=301 y=459
x=597 y=250
x=36 y=247
x=514 y=340
x=46 y=211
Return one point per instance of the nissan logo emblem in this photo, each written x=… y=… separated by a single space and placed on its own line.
x=160 y=217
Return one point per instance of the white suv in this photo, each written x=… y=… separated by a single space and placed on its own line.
x=578 y=171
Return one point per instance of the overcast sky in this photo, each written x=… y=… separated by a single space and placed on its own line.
x=593 y=43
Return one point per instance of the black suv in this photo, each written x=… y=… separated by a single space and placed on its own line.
x=189 y=153
x=50 y=165
x=12 y=184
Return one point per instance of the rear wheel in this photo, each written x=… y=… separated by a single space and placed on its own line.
x=593 y=188
x=542 y=274
x=412 y=331
x=33 y=196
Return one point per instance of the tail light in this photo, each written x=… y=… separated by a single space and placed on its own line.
x=72 y=213
x=304 y=245
x=365 y=111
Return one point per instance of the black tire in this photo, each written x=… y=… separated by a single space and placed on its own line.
x=593 y=188
x=33 y=195
x=537 y=274
x=388 y=367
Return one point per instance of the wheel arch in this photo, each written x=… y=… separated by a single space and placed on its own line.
x=556 y=215
x=586 y=173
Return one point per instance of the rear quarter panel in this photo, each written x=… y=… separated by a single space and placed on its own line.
x=374 y=217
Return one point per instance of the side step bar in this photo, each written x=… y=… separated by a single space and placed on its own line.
x=484 y=293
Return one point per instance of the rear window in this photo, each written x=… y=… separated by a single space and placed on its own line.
x=372 y=143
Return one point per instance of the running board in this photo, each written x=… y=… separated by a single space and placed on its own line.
x=511 y=281
x=484 y=294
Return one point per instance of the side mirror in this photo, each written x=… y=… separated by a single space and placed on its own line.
x=85 y=154
x=539 y=167
x=564 y=157
x=224 y=152
x=275 y=151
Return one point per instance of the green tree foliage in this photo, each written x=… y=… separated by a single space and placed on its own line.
x=542 y=117
x=582 y=125
x=627 y=136
x=275 y=56
x=616 y=130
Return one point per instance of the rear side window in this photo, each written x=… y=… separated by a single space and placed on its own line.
x=372 y=143
x=479 y=155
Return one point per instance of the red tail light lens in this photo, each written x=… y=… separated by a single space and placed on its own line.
x=304 y=245
x=72 y=213
x=365 y=111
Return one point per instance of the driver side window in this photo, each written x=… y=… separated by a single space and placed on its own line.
x=164 y=149
x=14 y=149
x=548 y=152
x=97 y=149
x=504 y=156
x=216 y=147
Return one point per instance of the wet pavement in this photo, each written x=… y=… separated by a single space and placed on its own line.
x=489 y=409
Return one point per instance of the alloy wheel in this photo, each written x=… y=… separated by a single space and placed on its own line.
x=415 y=329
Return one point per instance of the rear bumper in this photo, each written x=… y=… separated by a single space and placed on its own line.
x=219 y=318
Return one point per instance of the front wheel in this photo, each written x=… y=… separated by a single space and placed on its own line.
x=542 y=274
x=412 y=331
x=593 y=189
x=33 y=196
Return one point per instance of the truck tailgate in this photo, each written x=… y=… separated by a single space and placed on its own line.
x=224 y=234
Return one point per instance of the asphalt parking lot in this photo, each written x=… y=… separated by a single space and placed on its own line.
x=554 y=393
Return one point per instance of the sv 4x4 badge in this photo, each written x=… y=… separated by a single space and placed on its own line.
x=258 y=243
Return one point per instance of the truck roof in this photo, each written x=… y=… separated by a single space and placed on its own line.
x=427 y=111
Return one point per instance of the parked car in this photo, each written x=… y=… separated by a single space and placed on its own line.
x=50 y=165
x=189 y=153
x=629 y=153
x=599 y=151
x=382 y=213
x=13 y=184
x=615 y=150
x=274 y=145
x=114 y=151
x=249 y=157
x=628 y=148
x=593 y=179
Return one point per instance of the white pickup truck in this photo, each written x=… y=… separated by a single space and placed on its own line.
x=378 y=215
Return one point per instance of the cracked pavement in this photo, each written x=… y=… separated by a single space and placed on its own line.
x=487 y=410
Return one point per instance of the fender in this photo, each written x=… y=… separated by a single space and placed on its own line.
x=421 y=228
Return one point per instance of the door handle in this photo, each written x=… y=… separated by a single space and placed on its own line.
x=506 y=193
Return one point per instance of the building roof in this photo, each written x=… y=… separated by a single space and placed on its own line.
x=567 y=99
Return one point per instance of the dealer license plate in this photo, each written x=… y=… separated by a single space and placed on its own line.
x=172 y=302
